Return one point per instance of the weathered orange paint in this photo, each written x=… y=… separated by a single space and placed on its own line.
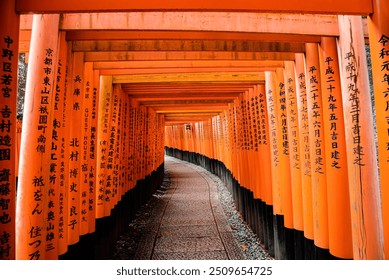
x=379 y=51
x=339 y=219
x=365 y=200
x=31 y=207
x=9 y=38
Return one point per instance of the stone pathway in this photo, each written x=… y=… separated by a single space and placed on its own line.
x=184 y=220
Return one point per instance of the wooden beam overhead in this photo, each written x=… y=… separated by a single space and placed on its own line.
x=185 y=120
x=178 y=103
x=171 y=70
x=190 y=108
x=184 y=95
x=190 y=35
x=289 y=6
x=118 y=59
x=186 y=89
x=223 y=77
x=186 y=45
x=192 y=63
x=303 y=24
x=168 y=99
x=188 y=66
x=227 y=87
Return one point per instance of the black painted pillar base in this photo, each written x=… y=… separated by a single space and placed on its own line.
x=309 y=249
x=299 y=250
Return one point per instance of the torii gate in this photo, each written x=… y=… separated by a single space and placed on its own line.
x=149 y=78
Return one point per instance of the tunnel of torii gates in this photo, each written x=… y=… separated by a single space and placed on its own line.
x=272 y=96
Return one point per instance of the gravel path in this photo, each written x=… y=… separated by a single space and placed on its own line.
x=130 y=243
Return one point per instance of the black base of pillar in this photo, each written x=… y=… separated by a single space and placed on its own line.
x=299 y=250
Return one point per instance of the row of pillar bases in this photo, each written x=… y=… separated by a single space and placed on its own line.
x=280 y=242
x=360 y=209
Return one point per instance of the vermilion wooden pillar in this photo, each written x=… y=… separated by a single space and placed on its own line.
x=254 y=140
x=63 y=165
x=161 y=119
x=264 y=147
x=94 y=115
x=9 y=43
x=294 y=145
x=339 y=220
x=19 y=122
x=33 y=186
x=274 y=150
x=124 y=146
x=365 y=200
x=131 y=159
x=57 y=190
x=306 y=173
x=230 y=133
x=239 y=139
x=127 y=146
x=284 y=149
x=137 y=143
x=104 y=109
x=246 y=142
x=75 y=87
x=379 y=51
x=317 y=147
x=110 y=185
x=85 y=143
x=282 y=214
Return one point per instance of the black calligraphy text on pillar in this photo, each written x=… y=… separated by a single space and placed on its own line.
x=384 y=59
x=304 y=125
x=333 y=118
x=6 y=141
x=355 y=111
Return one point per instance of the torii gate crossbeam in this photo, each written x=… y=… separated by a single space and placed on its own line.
x=290 y=6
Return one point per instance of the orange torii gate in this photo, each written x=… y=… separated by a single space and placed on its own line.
x=89 y=142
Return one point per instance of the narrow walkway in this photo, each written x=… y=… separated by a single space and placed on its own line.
x=184 y=220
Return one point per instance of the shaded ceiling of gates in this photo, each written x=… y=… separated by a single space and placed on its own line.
x=188 y=65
